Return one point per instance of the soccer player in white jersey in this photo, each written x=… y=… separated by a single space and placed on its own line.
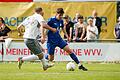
x=34 y=24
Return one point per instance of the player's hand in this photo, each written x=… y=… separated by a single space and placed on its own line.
x=54 y=30
x=42 y=40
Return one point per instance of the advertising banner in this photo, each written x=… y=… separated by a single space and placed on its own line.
x=84 y=51
x=15 y=13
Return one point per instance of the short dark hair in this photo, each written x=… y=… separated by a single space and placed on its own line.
x=66 y=17
x=80 y=17
x=2 y=20
x=60 y=11
x=38 y=9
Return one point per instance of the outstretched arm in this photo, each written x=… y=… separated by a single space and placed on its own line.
x=46 y=26
x=43 y=28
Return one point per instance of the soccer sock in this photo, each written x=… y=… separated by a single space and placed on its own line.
x=30 y=58
x=73 y=56
x=43 y=61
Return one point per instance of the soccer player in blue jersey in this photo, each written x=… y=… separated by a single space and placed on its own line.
x=54 y=39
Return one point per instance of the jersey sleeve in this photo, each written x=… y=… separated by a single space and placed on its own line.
x=24 y=22
x=40 y=19
x=50 y=22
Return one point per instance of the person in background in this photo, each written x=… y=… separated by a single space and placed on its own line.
x=97 y=22
x=75 y=19
x=4 y=30
x=92 y=31
x=80 y=31
x=68 y=26
x=117 y=29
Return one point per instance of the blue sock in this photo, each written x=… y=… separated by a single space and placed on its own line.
x=46 y=56
x=73 y=56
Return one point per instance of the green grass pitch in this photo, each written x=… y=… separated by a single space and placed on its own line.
x=33 y=71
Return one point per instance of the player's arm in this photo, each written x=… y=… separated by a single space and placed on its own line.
x=43 y=35
x=43 y=28
x=46 y=26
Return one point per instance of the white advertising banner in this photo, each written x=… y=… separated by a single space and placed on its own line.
x=84 y=51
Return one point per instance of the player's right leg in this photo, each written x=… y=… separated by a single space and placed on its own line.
x=26 y=58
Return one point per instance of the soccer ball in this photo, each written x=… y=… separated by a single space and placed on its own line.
x=70 y=66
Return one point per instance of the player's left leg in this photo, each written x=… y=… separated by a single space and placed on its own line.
x=31 y=57
x=74 y=57
x=65 y=47
x=50 y=51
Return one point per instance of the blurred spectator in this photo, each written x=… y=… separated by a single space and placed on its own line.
x=75 y=19
x=92 y=31
x=4 y=30
x=80 y=30
x=97 y=22
x=68 y=26
x=117 y=29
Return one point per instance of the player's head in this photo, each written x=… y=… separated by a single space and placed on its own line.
x=39 y=10
x=59 y=13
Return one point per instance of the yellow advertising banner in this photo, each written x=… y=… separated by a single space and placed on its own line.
x=15 y=13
